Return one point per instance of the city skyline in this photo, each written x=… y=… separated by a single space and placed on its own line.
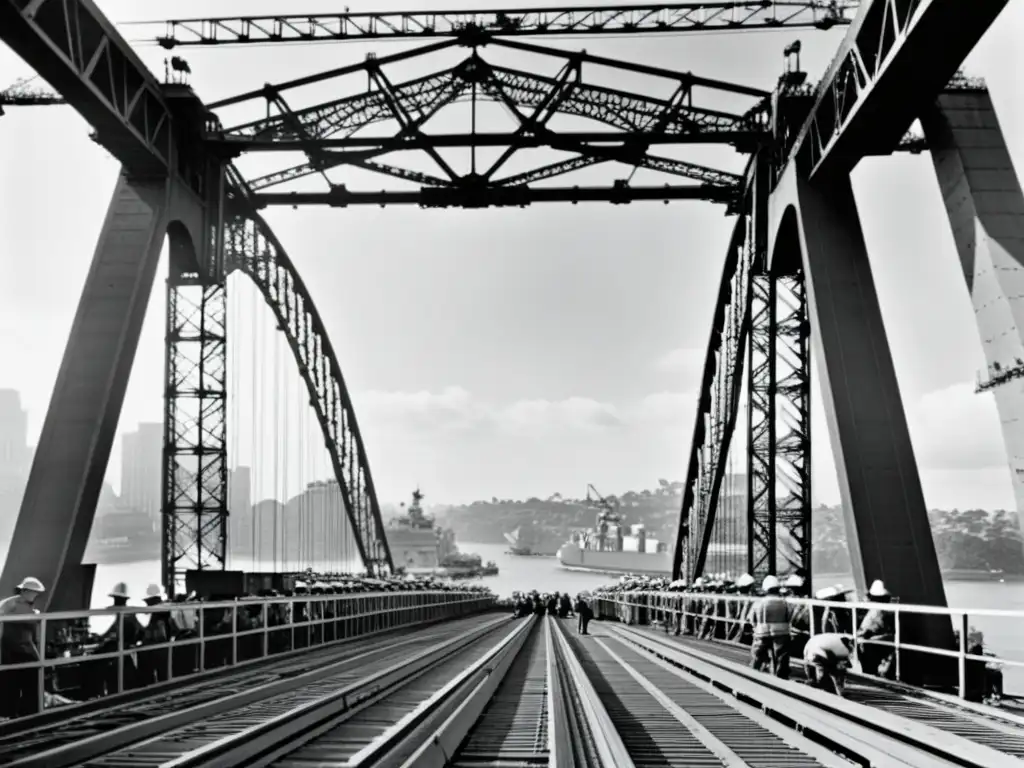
x=145 y=495
x=517 y=353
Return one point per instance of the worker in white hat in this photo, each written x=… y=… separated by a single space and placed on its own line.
x=19 y=644
x=878 y=626
x=770 y=617
x=800 y=622
x=834 y=619
x=109 y=641
x=826 y=659
x=740 y=628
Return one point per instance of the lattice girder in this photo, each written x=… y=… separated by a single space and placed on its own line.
x=252 y=248
x=477 y=25
x=761 y=502
x=625 y=111
x=195 y=474
x=793 y=425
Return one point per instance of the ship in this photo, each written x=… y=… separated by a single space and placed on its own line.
x=609 y=548
x=460 y=566
x=613 y=547
x=532 y=540
x=418 y=545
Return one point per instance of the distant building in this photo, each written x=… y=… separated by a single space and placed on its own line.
x=14 y=452
x=141 y=468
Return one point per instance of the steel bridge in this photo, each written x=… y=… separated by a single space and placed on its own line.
x=796 y=276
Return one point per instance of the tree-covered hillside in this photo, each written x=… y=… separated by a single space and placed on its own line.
x=972 y=539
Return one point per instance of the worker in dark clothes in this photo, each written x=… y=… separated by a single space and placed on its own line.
x=878 y=625
x=553 y=605
x=538 y=605
x=585 y=614
x=564 y=605
x=19 y=644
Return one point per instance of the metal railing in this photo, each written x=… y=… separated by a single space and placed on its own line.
x=207 y=636
x=732 y=612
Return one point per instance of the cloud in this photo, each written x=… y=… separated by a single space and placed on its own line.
x=685 y=360
x=954 y=428
x=454 y=409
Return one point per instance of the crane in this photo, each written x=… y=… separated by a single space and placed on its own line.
x=610 y=508
x=22 y=94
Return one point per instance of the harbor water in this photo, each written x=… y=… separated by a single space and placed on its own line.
x=1002 y=635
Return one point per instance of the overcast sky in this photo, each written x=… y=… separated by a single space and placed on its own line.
x=513 y=352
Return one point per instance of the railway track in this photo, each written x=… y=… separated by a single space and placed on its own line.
x=370 y=717
x=821 y=726
x=494 y=692
x=92 y=734
x=989 y=730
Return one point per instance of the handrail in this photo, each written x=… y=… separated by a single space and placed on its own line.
x=671 y=602
x=243 y=601
x=325 y=620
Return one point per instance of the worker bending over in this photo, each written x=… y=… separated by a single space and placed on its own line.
x=826 y=659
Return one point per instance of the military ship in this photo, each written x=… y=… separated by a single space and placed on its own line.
x=417 y=543
x=611 y=547
x=532 y=540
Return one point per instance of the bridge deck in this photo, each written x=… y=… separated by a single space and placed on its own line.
x=487 y=690
x=992 y=730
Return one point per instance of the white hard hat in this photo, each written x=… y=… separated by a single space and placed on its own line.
x=154 y=590
x=878 y=589
x=826 y=593
x=770 y=582
x=795 y=581
x=300 y=585
x=120 y=590
x=699 y=581
x=745 y=580
x=31 y=582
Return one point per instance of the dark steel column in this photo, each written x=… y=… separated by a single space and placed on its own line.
x=74 y=447
x=886 y=520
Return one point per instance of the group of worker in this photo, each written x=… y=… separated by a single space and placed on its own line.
x=320 y=621
x=558 y=604
x=774 y=628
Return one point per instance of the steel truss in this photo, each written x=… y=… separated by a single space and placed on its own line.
x=779 y=428
x=327 y=132
x=717 y=407
x=475 y=25
x=761 y=443
x=863 y=106
x=195 y=469
x=793 y=424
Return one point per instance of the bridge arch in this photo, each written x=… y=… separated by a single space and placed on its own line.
x=252 y=248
